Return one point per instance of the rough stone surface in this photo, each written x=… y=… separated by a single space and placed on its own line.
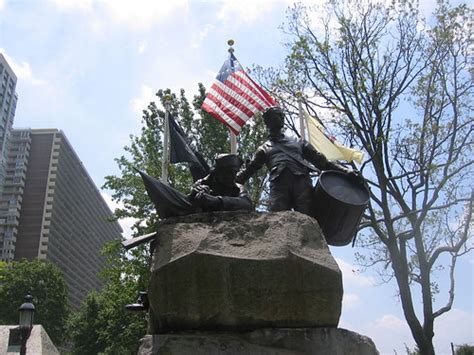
x=243 y=271
x=316 y=341
x=38 y=342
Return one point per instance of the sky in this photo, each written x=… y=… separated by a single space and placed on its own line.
x=89 y=67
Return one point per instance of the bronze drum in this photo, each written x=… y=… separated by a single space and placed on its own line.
x=339 y=199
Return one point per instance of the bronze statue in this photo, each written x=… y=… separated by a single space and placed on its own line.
x=288 y=162
x=218 y=191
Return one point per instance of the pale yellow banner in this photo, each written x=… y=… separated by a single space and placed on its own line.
x=332 y=150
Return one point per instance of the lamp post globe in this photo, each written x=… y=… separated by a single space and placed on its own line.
x=27 y=315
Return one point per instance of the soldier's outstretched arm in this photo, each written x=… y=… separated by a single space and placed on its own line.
x=242 y=202
x=252 y=167
x=319 y=160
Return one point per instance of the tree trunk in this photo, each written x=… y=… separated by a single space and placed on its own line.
x=399 y=265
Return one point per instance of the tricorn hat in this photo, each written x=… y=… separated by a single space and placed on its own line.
x=228 y=161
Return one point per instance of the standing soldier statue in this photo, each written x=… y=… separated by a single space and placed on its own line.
x=288 y=162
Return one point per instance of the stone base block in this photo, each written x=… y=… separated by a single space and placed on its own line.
x=315 y=341
x=234 y=271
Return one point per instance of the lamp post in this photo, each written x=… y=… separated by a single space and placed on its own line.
x=142 y=303
x=27 y=314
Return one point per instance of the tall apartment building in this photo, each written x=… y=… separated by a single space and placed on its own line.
x=51 y=209
x=8 y=99
x=11 y=196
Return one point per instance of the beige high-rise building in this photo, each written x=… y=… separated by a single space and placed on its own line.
x=51 y=209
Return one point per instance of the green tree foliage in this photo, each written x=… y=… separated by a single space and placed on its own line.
x=84 y=325
x=465 y=349
x=103 y=325
x=400 y=89
x=45 y=282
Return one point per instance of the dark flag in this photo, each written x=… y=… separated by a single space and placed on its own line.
x=168 y=201
x=180 y=151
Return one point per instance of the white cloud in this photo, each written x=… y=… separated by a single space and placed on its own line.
x=201 y=35
x=246 y=11
x=70 y=5
x=142 y=46
x=350 y=301
x=22 y=69
x=2 y=4
x=125 y=223
x=351 y=275
x=133 y=14
x=456 y=326
x=142 y=13
x=391 y=333
x=141 y=102
x=389 y=321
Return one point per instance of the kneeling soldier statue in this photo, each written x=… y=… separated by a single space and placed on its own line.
x=218 y=191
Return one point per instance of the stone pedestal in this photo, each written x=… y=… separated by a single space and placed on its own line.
x=243 y=271
x=316 y=341
x=246 y=283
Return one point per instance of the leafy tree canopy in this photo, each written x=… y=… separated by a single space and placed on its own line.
x=465 y=349
x=102 y=325
x=45 y=282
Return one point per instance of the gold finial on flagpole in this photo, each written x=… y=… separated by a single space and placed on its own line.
x=166 y=100
x=230 y=42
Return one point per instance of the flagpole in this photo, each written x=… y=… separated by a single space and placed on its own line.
x=166 y=155
x=233 y=143
x=232 y=136
x=299 y=95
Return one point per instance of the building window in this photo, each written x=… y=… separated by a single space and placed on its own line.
x=8 y=234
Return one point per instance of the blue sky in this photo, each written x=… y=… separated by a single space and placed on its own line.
x=89 y=67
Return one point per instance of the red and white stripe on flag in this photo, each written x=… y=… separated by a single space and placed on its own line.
x=235 y=100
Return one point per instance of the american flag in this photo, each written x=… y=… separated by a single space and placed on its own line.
x=235 y=97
